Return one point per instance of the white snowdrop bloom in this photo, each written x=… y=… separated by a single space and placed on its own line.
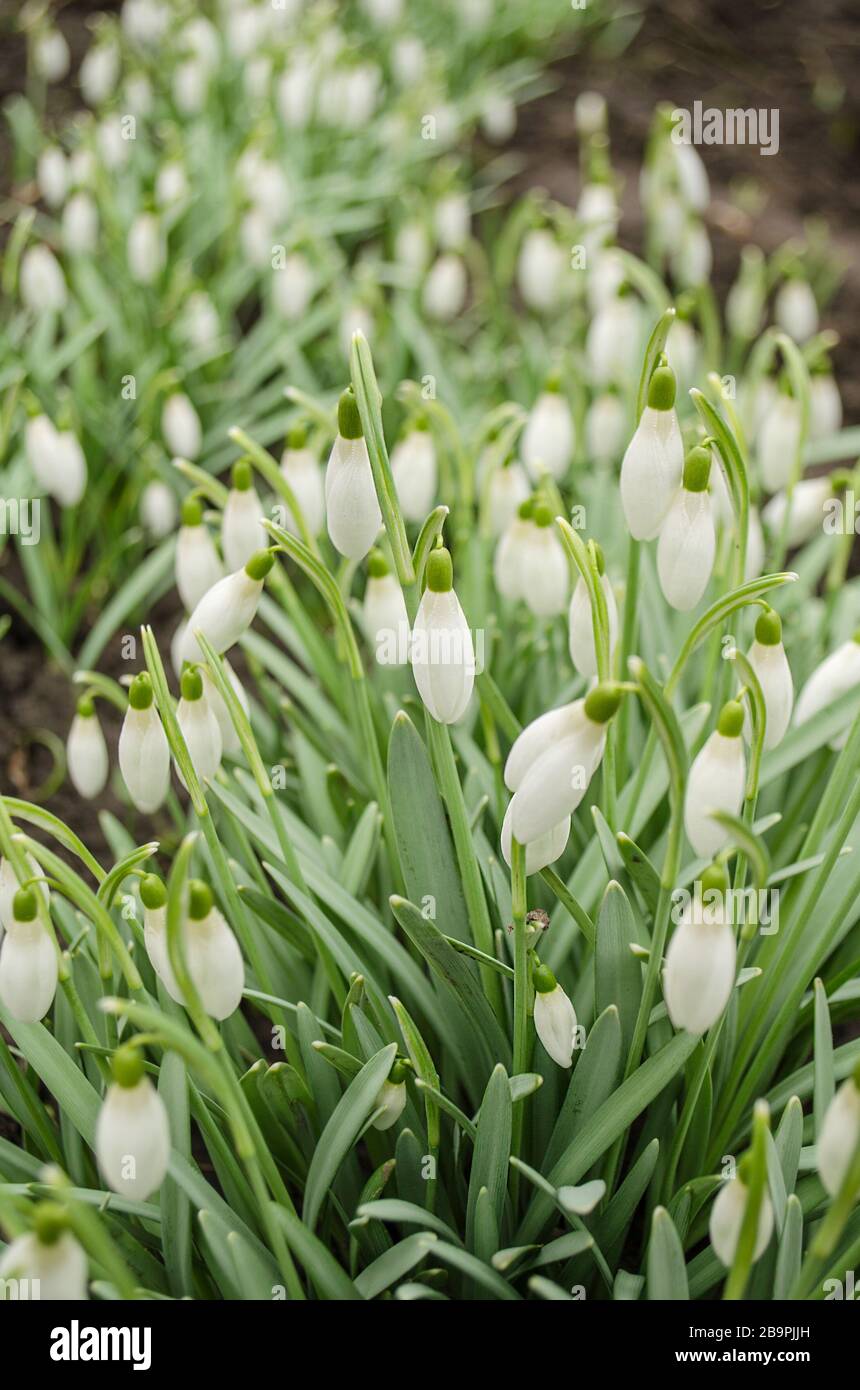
x=230 y=743
x=227 y=610
x=180 y=426
x=113 y=146
x=145 y=249
x=158 y=508
x=138 y=94
x=144 y=754
x=86 y=751
x=476 y=15
x=840 y=1135
x=28 y=962
x=171 y=185
x=716 y=783
x=198 y=726
x=581 y=627
x=555 y=1019
x=408 y=60
x=612 y=342
x=385 y=13
x=82 y=167
x=41 y=281
x=452 y=220
x=778 y=443
x=498 y=117
x=360 y=94
x=412 y=246
x=597 y=210
x=688 y=540
x=52 y=175
x=589 y=113
x=353 y=517
x=49 y=1258
x=540 y=270
x=443 y=656
x=199 y=321
x=9 y=886
x=604 y=279
x=295 y=94
x=770 y=663
x=391 y=1100
x=508 y=488
x=212 y=952
x=700 y=964
x=513 y=551
x=270 y=191
x=552 y=762
x=80 y=225
x=300 y=467
x=605 y=424
x=413 y=464
x=293 y=286
x=200 y=37
x=694 y=258
x=198 y=567
x=56 y=459
x=653 y=464
x=796 y=311
x=445 y=288
x=144 y=21
x=549 y=437
x=190 y=86
x=99 y=73
x=257 y=80
x=242 y=532
x=153 y=895
x=755 y=546
x=692 y=176
x=541 y=852
x=727 y=1218
x=51 y=57
x=825 y=406
x=132 y=1141
x=546 y=577
x=835 y=676
x=807 y=510
x=255 y=236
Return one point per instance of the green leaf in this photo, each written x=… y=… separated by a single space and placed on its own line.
x=617 y=972
x=394 y=1263
x=825 y=1083
x=329 y=1279
x=789 y=1255
x=175 y=1207
x=350 y=1116
x=667 y=1272
x=492 y=1150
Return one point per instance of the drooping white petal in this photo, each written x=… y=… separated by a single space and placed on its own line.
x=304 y=475
x=840 y=1134
x=41 y=280
x=557 y=780
x=778 y=443
x=546 y=578
x=215 y=964
x=541 y=852
x=612 y=342
x=58 y=1270
x=242 y=533
x=686 y=549
x=145 y=249
x=555 y=1024
x=158 y=509
x=700 y=971
x=835 y=676
x=133 y=1140
x=604 y=427
x=581 y=628
x=540 y=270
x=87 y=755
x=507 y=489
x=392 y=1101
x=716 y=783
x=144 y=758
x=651 y=472
x=28 y=971
x=223 y=614
x=825 y=406
x=352 y=509
x=198 y=567
x=549 y=437
x=386 y=621
x=413 y=464
x=443 y=657
x=796 y=310
x=770 y=664
x=727 y=1216
x=155 y=940
x=180 y=425
x=540 y=735
x=229 y=738
x=511 y=556
x=445 y=288
x=807 y=510
x=199 y=727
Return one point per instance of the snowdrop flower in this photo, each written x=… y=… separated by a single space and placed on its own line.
x=80 y=225
x=197 y=565
x=808 y=500
x=145 y=249
x=413 y=464
x=452 y=219
x=212 y=953
x=700 y=964
x=825 y=406
x=242 y=533
x=180 y=426
x=391 y=1100
x=86 y=751
x=545 y=850
x=384 y=615
x=293 y=286
x=144 y=21
x=727 y=1218
x=540 y=270
x=778 y=443
x=295 y=94
x=549 y=437
x=498 y=117
x=9 y=886
x=144 y=755
x=227 y=610
x=834 y=677
x=688 y=541
x=546 y=578
x=604 y=279
x=552 y=762
x=352 y=509
x=158 y=509
x=506 y=491
x=840 y=1135
x=597 y=210
x=445 y=288
x=113 y=146
x=692 y=176
x=42 y=283
x=153 y=895
x=653 y=465
x=199 y=727
x=199 y=321
x=612 y=342
x=52 y=174
x=51 y=57
x=581 y=627
x=512 y=552
x=555 y=1019
x=770 y=663
x=300 y=467
x=132 y=1141
x=755 y=546
x=230 y=742
x=49 y=1257
x=716 y=783
x=171 y=186
x=796 y=311
x=408 y=60
x=190 y=85
x=99 y=73
x=28 y=962
x=589 y=113
x=693 y=260
x=138 y=94
x=604 y=427
x=57 y=460
x=412 y=247
x=443 y=657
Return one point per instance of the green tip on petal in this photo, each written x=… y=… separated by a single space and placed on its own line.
x=603 y=701
x=731 y=719
x=525 y=510
x=714 y=878
x=543 y=515
x=24 y=905
x=856 y=637
x=348 y=417
x=140 y=691
x=127 y=1067
x=191 y=684
x=49 y=1222
x=553 y=383
x=86 y=707
x=543 y=979
x=153 y=893
x=242 y=476
x=377 y=565
x=745 y=1170
x=440 y=571
x=398 y=1072
x=259 y=565
x=192 y=512
x=661 y=389
x=697 y=469
x=200 y=900
x=297 y=437
x=768 y=628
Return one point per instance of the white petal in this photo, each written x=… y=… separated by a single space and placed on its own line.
x=700 y=974
x=155 y=940
x=223 y=614
x=716 y=783
x=807 y=510
x=556 y=783
x=541 y=852
x=686 y=549
x=305 y=477
x=555 y=1024
x=28 y=971
x=87 y=756
x=242 y=534
x=413 y=464
x=9 y=886
x=133 y=1140
x=202 y=736
x=197 y=565
x=386 y=621
x=581 y=627
x=770 y=664
x=651 y=472
x=144 y=758
x=443 y=657
x=727 y=1215
x=777 y=443
x=215 y=963
x=839 y=1136
x=392 y=1101
x=837 y=674
x=537 y=737
x=352 y=508
x=546 y=577
x=59 y=1269
x=548 y=438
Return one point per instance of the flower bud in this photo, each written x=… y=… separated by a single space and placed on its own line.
x=392 y=1098
x=716 y=783
x=549 y=436
x=413 y=464
x=443 y=657
x=770 y=663
x=144 y=753
x=227 y=610
x=653 y=464
x=198 y=568
x=688 y=542
x=132 y=1141
x=555 y=1019
x=546 y=578
x=158 y=509
x=199 y=727
x=242 y=533
x=727 y=1218
x=49 y=1258
x=86 y=751
x=352 y=508
x=212 y=952
x=180 y=426
x=384 y=615
x=840 y=1135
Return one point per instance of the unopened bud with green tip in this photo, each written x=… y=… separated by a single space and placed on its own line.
x=837 y=1145
x=48 y=1259
x=549 y=437
x=554 y=1016
x=391 y=1099
x=198 y=566
x=225 y=613
x=688 y=539
x=353 y=514
x=442 y=653
x=769 y=662
x=716 y=783
x=28 y=960
x=551 y=763
x=653 y=463
x=581 y=643
x=86 y=751
x=242 y=530
x=132 y=1140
